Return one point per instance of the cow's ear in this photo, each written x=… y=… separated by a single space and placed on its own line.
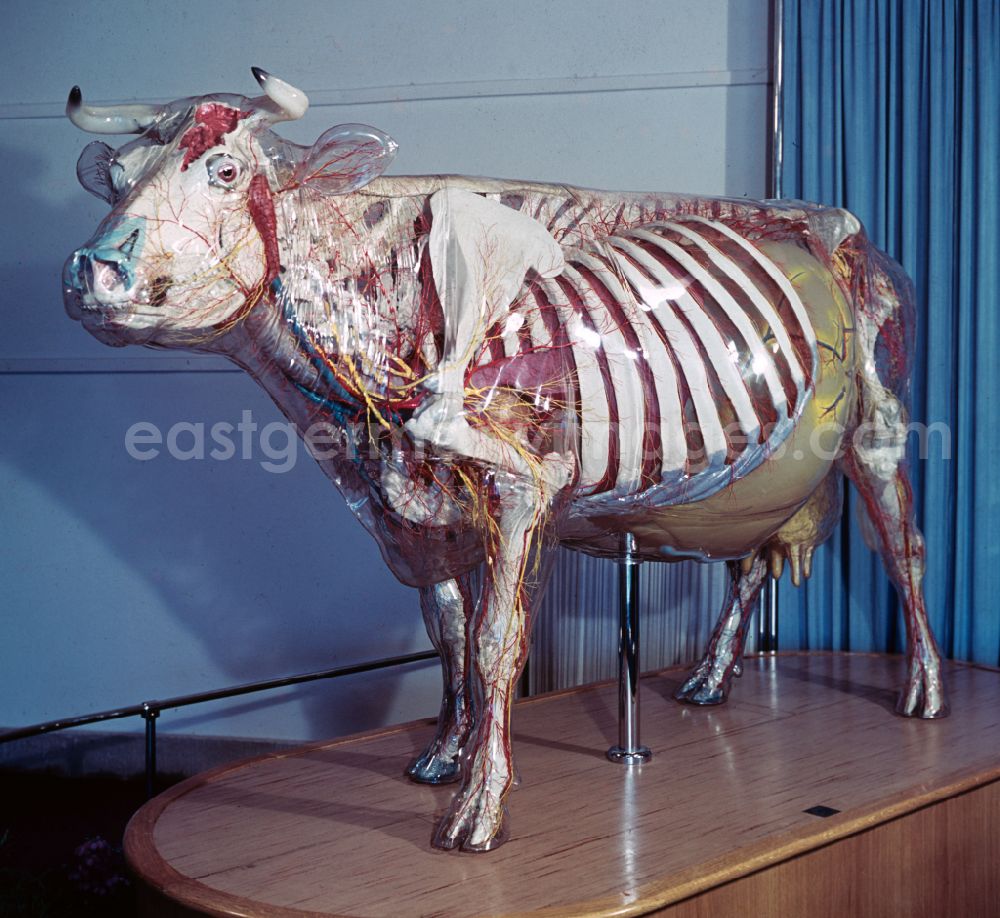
x=345 y=158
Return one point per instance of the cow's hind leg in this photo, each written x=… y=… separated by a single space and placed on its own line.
x=446 y=607
x=710 y=680
x=889 y=500
x=875 y=460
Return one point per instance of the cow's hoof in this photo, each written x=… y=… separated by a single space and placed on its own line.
x=700 y=694
x=435 y=768
x=923 y=696
x=703 y=687
x=472 y=830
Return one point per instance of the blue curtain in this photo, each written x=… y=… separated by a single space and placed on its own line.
x=891 y=109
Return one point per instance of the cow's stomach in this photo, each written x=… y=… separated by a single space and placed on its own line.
x=731 y=523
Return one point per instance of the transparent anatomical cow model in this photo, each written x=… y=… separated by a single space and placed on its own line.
x=486 y=368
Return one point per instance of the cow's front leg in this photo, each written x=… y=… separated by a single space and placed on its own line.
x=710 y=680
x=475 y=818
x=446 y=607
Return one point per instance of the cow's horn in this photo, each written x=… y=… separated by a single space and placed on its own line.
x=111 y=119
x=292 y=103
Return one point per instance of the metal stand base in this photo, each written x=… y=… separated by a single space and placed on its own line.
x=629 y=750
x=629 y=756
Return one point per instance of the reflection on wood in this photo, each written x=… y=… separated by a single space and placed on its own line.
x=718 y=817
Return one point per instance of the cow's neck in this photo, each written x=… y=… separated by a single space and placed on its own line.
x=335 y=335
x=349 y=297
x=267 y=348
x=350 y=266
x=263 y=346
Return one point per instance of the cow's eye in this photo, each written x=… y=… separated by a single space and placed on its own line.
x=223 y=171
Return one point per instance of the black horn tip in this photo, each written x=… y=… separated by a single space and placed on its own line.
x=259 y=74
x=75 y=98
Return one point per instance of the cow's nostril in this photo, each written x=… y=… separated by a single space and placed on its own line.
x=109 y=276
x=158 y=291
x=83 y=272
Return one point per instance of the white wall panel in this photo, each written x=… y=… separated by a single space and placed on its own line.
x=151 y=49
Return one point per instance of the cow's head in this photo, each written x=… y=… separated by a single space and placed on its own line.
x=193 y=238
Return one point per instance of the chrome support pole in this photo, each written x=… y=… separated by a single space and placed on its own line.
x=772 y=613
x=776 y=177
x=767 y=620
x=629 y=751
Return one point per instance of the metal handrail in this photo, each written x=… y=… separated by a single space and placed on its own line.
x=149 y=711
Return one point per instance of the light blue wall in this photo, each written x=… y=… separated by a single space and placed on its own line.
x=123 y=580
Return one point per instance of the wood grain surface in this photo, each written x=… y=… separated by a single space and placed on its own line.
x=940 y=861
x=335 y=828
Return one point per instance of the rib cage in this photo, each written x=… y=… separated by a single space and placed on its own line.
x=691 y=353
x=686 y=350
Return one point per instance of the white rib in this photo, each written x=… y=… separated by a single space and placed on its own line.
x=510 y=333
x=689 y=359
x=673 y=444
x=735 y=273
x=775 y=274
x=762 y=360
x=540 y=336
x=626 y=382
x=719 y=355
x=595 y=414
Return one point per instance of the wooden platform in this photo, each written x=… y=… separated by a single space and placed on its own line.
x=715 y=825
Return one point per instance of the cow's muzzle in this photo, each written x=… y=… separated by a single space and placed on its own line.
x=105 y=273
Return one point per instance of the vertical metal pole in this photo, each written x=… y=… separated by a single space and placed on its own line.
x=772 y=613
x=767 y=621
x=149 y=714
x=629 y=751
x=777 y=98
